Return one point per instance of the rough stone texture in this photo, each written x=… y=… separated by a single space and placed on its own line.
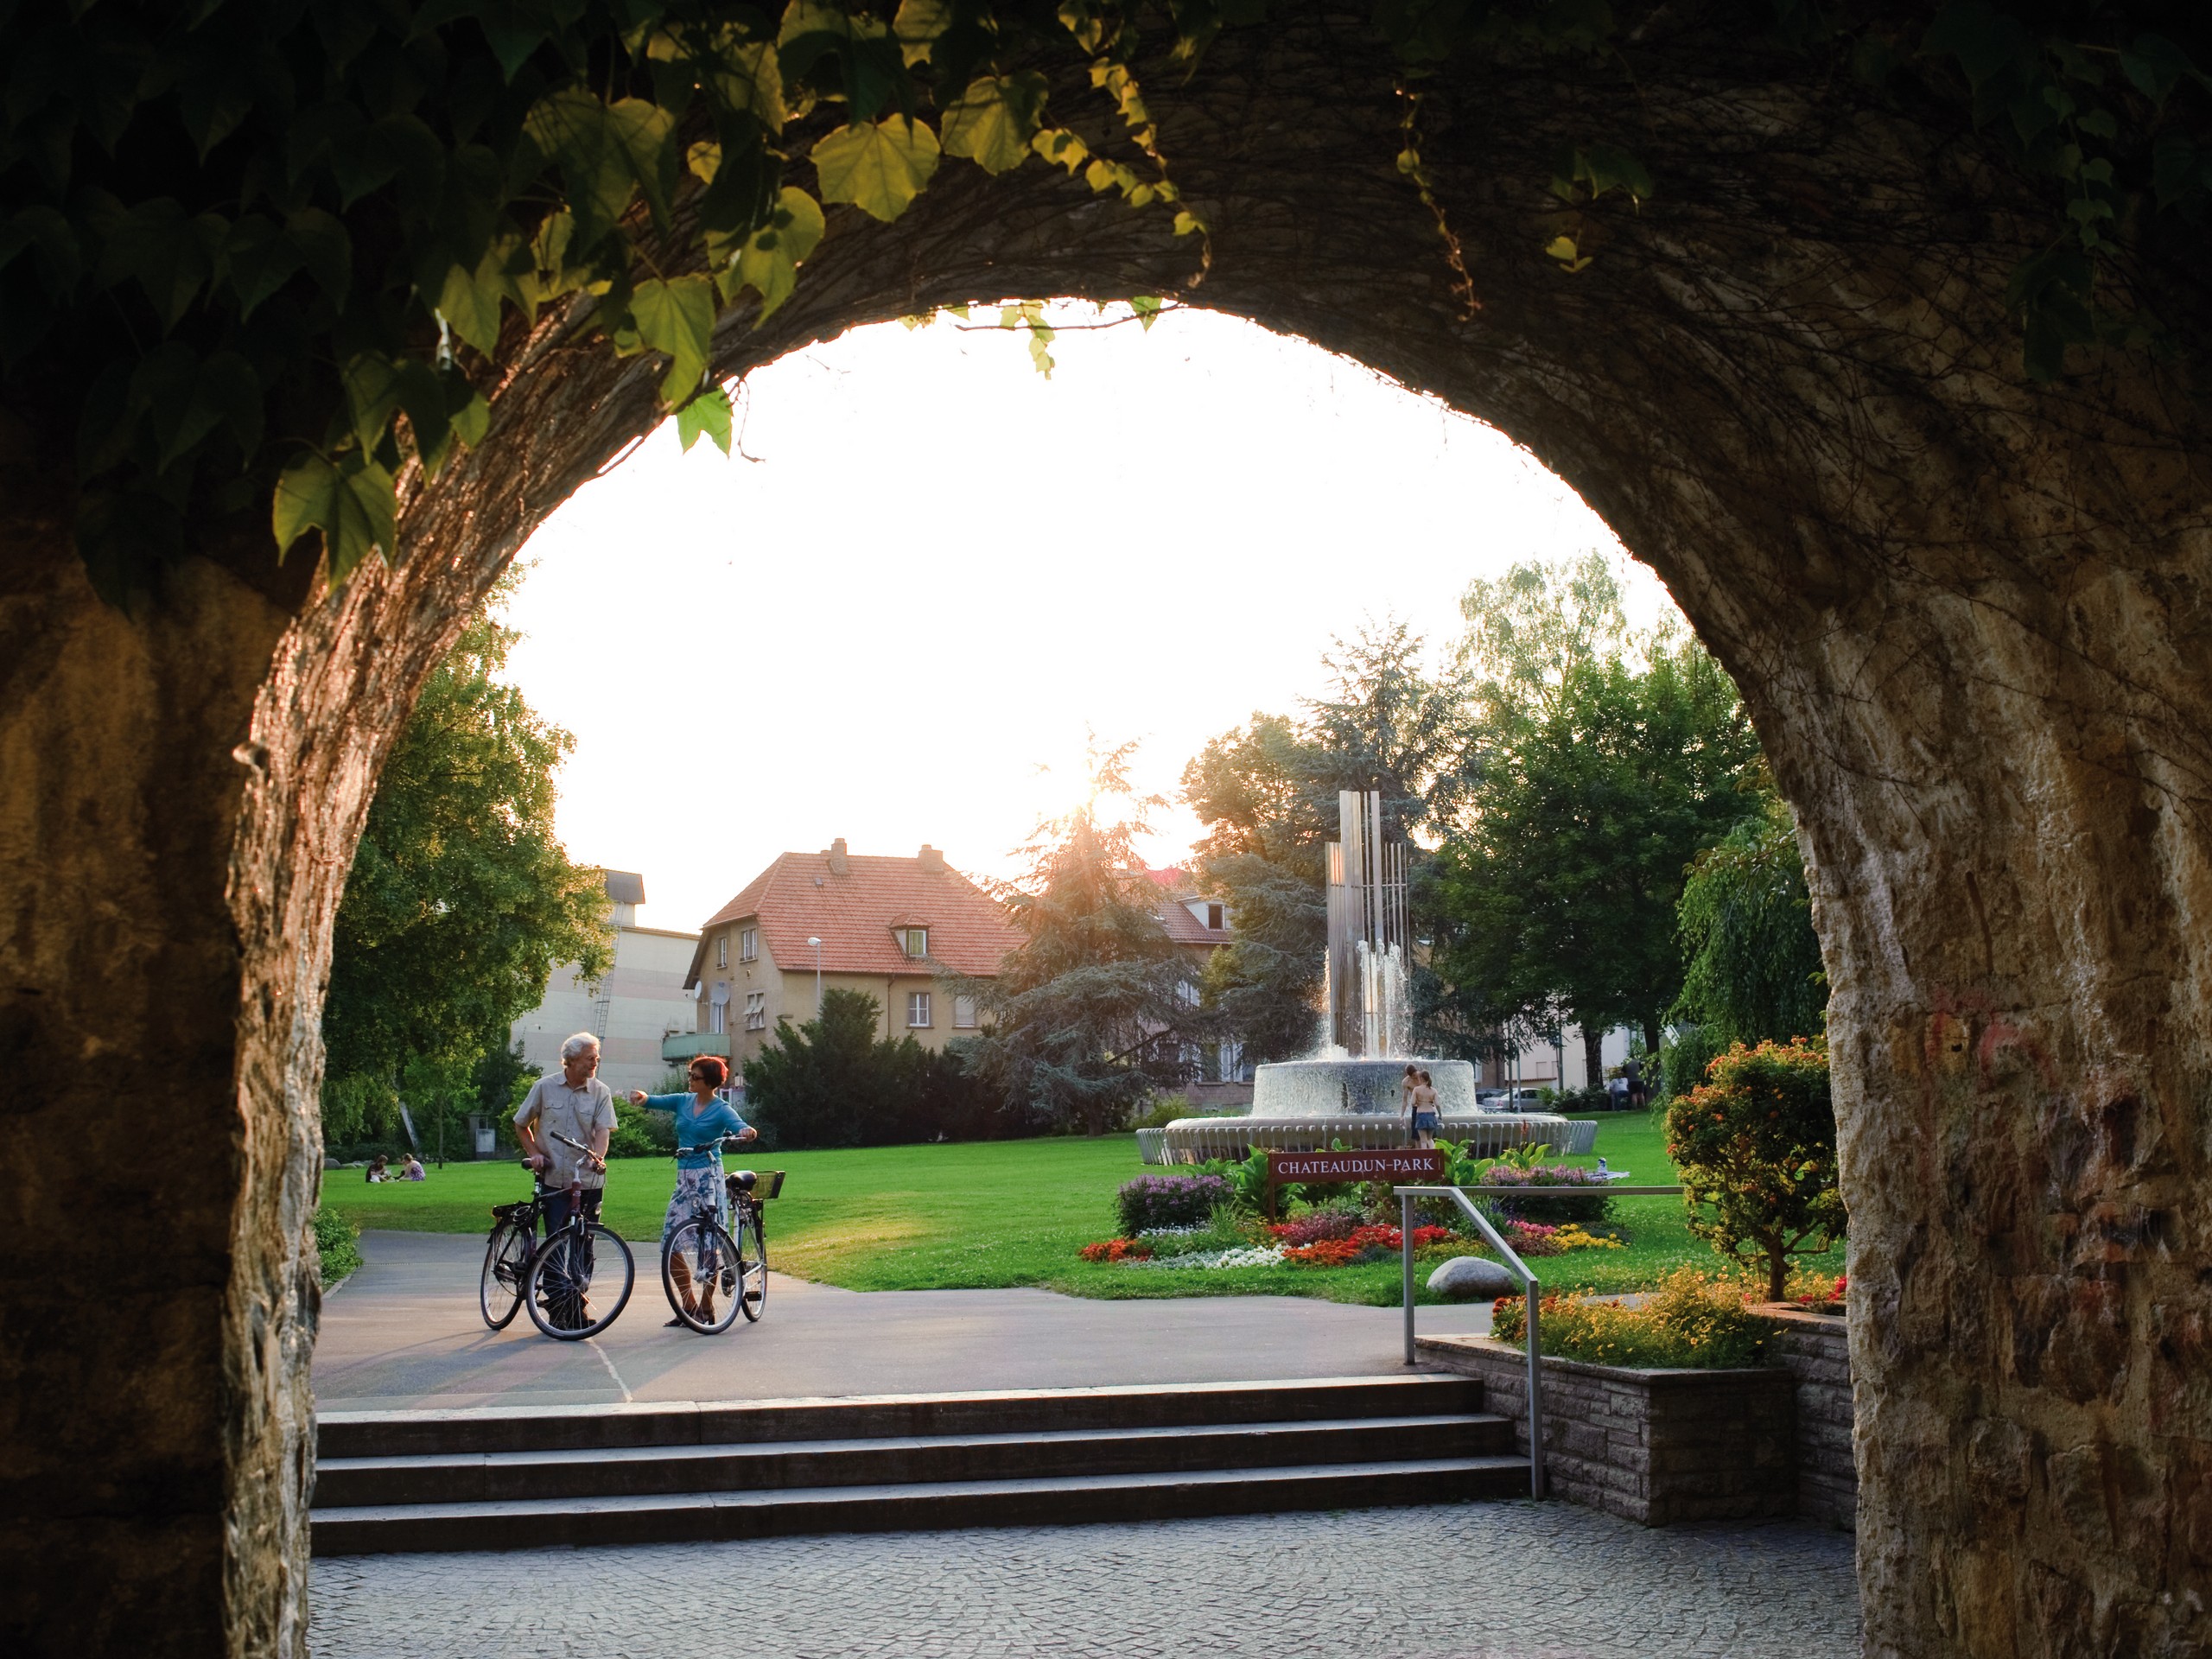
x=1516 y=1580
x=1815 y=1349
x=1971 y=618
x=1470 y=1277
x=1659 y=1447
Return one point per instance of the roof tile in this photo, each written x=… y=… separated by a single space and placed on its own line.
x=799 y=897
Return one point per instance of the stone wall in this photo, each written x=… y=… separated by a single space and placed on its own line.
x=1815 y=1349
x=1653 y=1446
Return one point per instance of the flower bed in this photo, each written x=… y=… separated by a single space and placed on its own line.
x=1539 y=1238
x=1548 y=1207
x=1115 y=1249
x=1260 y=1255
x=1364 y=1243
x=1156 y=1201
x=1692 y=1321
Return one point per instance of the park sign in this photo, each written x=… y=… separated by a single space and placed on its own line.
x=1379 y=1164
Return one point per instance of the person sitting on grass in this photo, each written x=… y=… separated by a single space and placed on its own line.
x=701 y=1123
x=414 y=1171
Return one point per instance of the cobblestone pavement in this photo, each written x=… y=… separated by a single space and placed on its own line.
x=1516 y=1580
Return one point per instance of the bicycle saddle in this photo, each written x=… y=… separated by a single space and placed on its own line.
x=503 y=1211
x=743 y=1181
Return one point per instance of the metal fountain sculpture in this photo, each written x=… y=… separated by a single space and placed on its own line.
x=1348 y=1092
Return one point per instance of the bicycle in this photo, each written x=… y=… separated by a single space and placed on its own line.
x=700 y=1252
x=554 y=1278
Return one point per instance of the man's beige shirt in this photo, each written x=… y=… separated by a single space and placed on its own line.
x=558 y=1109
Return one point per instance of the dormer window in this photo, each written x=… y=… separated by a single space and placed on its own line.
x=915 y=941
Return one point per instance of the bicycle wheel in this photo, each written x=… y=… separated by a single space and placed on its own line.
x=580 y=1283
x=507 y=1261
x=699 y=1255
x=752 y=1264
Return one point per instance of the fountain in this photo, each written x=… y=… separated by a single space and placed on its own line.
x=1349 y=1093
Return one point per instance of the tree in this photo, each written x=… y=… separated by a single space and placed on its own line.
x=1267 y=795
x=832 y=1081
x=460 y=899
x=1604 y=778
x=1088 y=1013
x=1756 y=1149
x=1752 y=961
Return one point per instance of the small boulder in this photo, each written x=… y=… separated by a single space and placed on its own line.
x=1474 y=1278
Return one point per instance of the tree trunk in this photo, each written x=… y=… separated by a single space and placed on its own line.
x=1971 y=618
x=1593 y=1057
x=160 y=1294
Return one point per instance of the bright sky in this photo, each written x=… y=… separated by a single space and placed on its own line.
x=897 y=616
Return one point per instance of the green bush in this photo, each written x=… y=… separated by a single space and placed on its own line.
x=1756 y=1149
x=1165 y=1110
x=337 y=1243
x=640 y=1132
x=832 y=1081
x=1690 y=1320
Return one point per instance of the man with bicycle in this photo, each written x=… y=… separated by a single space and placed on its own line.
x=573 y=1107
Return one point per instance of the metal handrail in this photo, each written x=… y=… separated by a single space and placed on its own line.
x=1530 y=1287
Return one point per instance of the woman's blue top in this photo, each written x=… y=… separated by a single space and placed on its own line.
x=697 y=1132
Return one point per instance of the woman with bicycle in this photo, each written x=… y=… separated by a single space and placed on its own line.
x=701 y=1121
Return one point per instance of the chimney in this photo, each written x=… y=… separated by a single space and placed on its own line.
x=930 y=859
x=838 y=857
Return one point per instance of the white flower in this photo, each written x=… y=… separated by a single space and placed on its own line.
x=1261 y=1257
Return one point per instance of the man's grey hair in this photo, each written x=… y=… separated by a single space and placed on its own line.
x=577 y=1044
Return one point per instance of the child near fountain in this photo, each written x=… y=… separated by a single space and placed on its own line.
x=1423 y=1101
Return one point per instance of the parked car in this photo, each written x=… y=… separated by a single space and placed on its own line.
x=1508 y=1100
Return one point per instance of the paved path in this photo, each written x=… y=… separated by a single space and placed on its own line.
x=1516 y=1580
x=404 y=1333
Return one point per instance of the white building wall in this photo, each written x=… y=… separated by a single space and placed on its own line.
x=1540 y=1062
x=641 y=999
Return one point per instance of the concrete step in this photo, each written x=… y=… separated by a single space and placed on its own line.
x=353 y=1434
x=898 y=1460
x=1053 y=1501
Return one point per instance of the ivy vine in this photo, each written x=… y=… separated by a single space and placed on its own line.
x=263 y=255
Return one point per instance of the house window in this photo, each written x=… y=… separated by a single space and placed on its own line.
x=918 y=1009
x=1188 y=992
x=915 y=941
x=963 y=1013
x=756 y=1010
x=718 y=1008
x=1215 y=919
x=721 y=951
x=749 y=945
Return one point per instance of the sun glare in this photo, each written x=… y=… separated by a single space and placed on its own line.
x=821 y=636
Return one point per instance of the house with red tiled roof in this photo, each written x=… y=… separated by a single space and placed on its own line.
x=812 y=923
x=1219 y=1074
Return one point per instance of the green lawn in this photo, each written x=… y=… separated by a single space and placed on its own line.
x=1002 y=1213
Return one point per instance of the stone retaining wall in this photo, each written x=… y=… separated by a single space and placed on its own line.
x=1815 y=1349
x=1654 y=1447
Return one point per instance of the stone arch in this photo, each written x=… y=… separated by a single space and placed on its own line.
x=1970 y=617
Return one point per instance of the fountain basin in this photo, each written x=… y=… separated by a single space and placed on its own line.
x=1312 y=1105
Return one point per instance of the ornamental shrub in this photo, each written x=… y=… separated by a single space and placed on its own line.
x=1594 y=1208
x=1755 y=1148
x=337 y=1244
x=1152 y=1201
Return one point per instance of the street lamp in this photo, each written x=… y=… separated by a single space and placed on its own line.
x=816 y=943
